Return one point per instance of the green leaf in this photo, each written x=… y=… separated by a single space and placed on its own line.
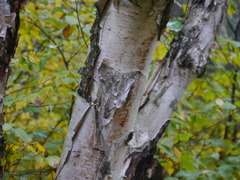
x=187 y=162
x=170 y=178
x=228 y=105
x=168 y=151
x=53 y=161
x=217 y=142
x=40 y=134
x=178 y=121
x=70 y=80
x=234 y=159
x=9 y=100
x=8 y=136
x=45 y=2
x=188 y=175
x=232 y=8
x=52 y=46
x=225 y=171
x=42 y=63
x=234 y=43
x=26 y=174
x=187 y=104
x=71 y=20
x=6 y=176
x=27 y=159
x=51 y=147
x=217 y=87
x=70 y=92
x=21 y=134
x=14 y=62
x=8 y=126
x=215 y=155
x=87 y=30
x=184 y=137
x=175 y=25
x=32 y=109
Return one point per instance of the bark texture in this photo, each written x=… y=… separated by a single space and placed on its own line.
x=9 y=24
x=186 y=60
x=123 y=40
x=116 y=122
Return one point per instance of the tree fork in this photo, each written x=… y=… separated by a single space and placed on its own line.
x=109 y=137
x=112 y=84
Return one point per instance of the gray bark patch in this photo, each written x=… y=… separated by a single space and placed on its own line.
x=114 y=89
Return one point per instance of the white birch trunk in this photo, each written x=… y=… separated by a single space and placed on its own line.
x=185 y=61
x=109 y=136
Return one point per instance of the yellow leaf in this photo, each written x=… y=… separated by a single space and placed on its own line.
x=67 y=31
x=184 y=6
x=50 y=176
x=21 y=104
x=31 y=7
x=40 y=148
x=15 y=148
x=168 y=165
x=40 y=163
x=177 y=153
x=160 y=52
x=32 y=149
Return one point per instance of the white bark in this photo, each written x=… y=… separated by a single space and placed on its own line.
x=109 y=137
x=186 y=60
x=108 y=111
x=180 y=68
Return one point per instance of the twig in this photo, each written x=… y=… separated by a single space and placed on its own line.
x=54 y=42
x=80 y=26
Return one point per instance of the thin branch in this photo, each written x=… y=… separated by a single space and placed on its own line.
x=230 y=25
x=236 y=30
x=54 y=42
x=21 y=89
x=206 y=129
x=73 y=55
x=80 y=26
x=51 y=132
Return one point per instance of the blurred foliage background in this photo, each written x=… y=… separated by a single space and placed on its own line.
x=202 y=140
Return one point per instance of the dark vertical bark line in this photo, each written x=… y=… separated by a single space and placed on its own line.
x=87 y=80
x=9 y=23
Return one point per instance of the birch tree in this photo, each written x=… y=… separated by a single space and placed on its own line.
x=9 y=25
x=118 y=117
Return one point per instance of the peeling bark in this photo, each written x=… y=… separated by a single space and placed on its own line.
x=112 y=83
x=9 y=24
x=109 y=136
x=186 y=60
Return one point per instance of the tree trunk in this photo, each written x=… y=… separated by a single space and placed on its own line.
x=116 y=122
x=9 y=24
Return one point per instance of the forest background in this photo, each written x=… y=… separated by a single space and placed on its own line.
x=202 y=140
